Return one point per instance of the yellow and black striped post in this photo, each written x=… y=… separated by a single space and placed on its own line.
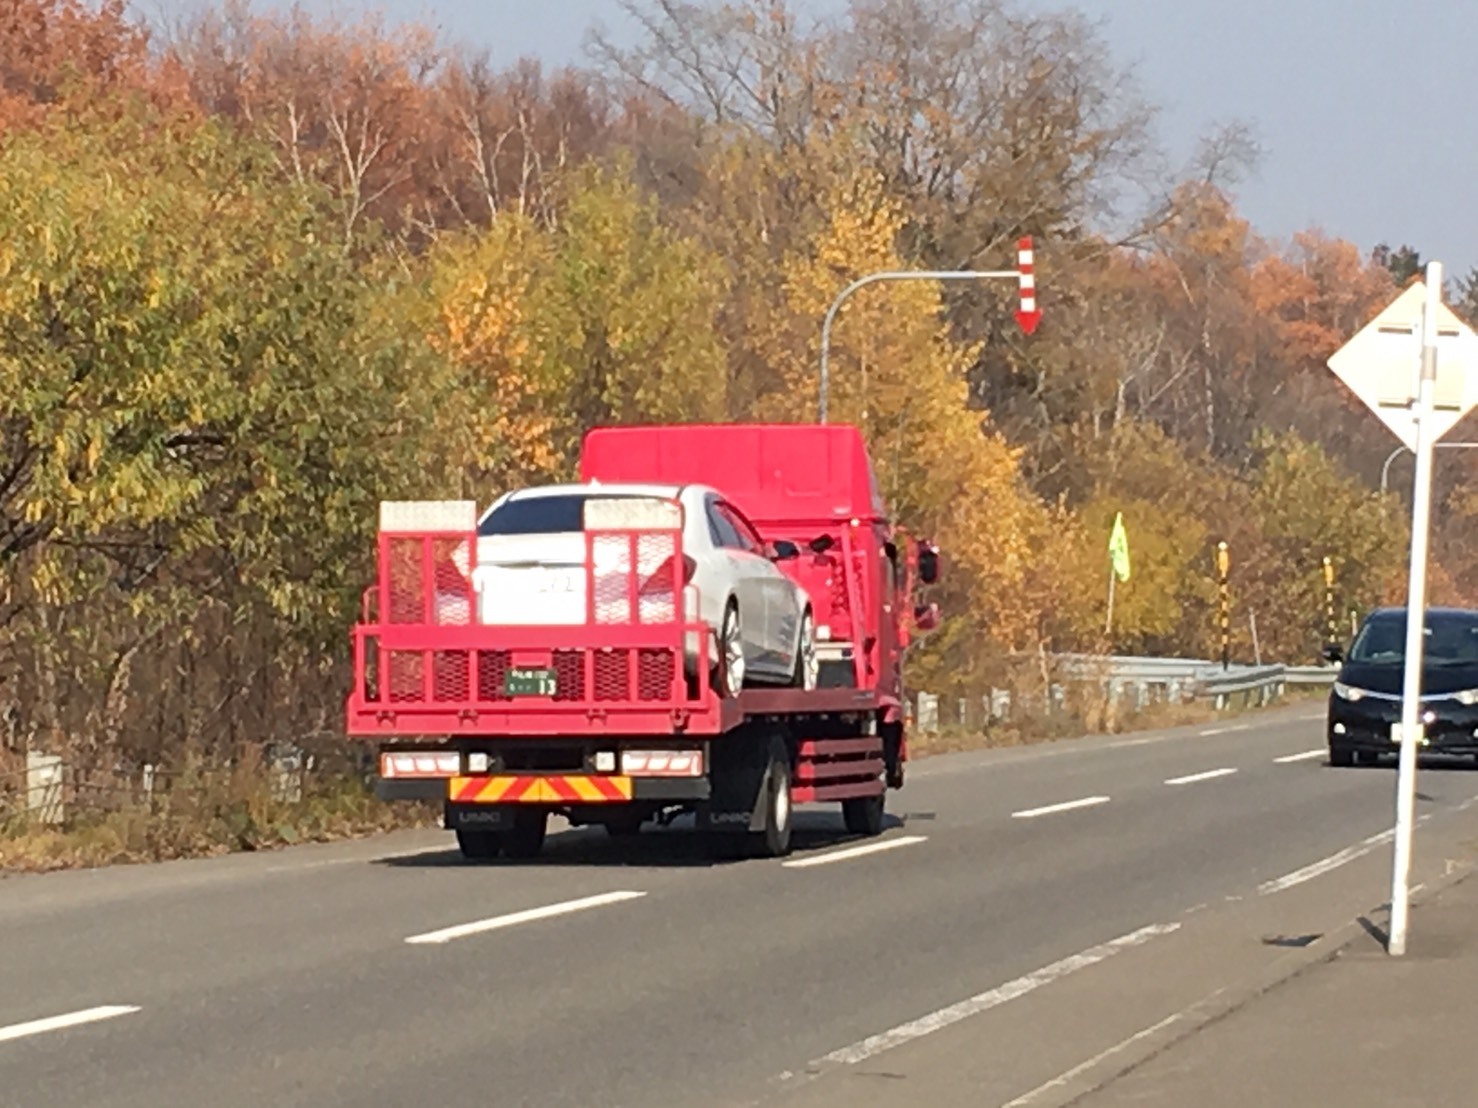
x=1223 y=569
x=1330 y=618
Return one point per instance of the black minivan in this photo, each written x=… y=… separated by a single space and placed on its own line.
x=1366 y=698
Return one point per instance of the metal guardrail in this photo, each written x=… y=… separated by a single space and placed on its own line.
x=1128 y=667
x=1311 y=675
x=1204 y=678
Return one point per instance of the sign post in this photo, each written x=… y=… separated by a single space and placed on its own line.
x=1413 y=366
x=1416 y=617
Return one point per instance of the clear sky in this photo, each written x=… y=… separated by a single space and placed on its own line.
x=1360 y=105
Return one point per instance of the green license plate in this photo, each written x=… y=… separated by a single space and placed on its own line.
x=530 y=682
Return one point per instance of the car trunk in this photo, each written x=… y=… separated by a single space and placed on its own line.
x=531 y=580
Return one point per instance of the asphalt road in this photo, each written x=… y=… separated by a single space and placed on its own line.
x=388 y=973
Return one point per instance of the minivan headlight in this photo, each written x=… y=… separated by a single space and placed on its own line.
x=1468 y=697
x=1347 y=692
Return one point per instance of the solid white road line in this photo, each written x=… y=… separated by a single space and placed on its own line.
x=855 y=851
x=1051 y=809
x=477 y=927
x=1227 y=730
x=1063 y=1078
x=1324 y=865
x=1304 y=757
x=982 y=1002
x=1191 y=779
x=60 y=1023
x=1348 y=854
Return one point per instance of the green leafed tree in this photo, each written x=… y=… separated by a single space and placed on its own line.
x=632 y=308
x=200 y=404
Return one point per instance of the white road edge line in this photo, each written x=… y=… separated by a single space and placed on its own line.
x=1191 y=779
x=60 y=1023
x=1227 y=730
x=477 y=927
x=1052 y=809
x=1304 y=757
x=1082 y=1067
x=855 y=851
x=874 y=1045
x=1324 y=865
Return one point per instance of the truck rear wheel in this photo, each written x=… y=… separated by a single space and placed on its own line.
x=864 y=815
x=525 y=839
x=624 y=826
x=774 y=840
x=479 y=846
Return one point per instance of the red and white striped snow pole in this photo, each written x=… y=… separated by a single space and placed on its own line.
x=1028 y=315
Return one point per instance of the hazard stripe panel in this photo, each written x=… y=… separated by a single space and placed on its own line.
x=537 y=789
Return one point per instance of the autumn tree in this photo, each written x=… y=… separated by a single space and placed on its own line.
x=1403 y=264
x=74 y=55
x=195 y=397
x=342 y=105
x=633 y=306
x=500 y=142
x=898 y=373
x=1307 y=510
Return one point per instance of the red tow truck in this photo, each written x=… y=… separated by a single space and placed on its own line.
x=620 y=734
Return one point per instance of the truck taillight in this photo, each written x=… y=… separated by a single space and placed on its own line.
x=661 y=580
x=662 y=763
x=422 y=764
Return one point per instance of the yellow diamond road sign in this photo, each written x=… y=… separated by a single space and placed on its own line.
x=1382 y=366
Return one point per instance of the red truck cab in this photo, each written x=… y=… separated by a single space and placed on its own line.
x=813 y=485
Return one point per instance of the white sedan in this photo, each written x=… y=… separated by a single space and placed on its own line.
x=531 y=555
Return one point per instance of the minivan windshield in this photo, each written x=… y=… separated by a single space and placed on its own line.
x=1450 y=638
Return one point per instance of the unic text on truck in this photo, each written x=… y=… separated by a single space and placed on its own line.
x=606 y=700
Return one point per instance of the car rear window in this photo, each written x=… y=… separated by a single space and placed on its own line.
x=537 y=515
x=555 y=514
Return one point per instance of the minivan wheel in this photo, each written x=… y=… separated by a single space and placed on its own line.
x=1341 y=756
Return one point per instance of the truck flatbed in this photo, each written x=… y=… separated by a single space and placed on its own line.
x=375 y=719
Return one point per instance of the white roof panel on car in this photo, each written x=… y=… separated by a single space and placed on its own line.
x=621 y=489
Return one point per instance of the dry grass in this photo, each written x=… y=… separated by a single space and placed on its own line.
x=203 y=821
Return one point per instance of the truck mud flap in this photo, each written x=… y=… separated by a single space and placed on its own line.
x=740 y=774
x=478 y=817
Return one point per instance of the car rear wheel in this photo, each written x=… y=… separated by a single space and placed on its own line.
x=729 y=674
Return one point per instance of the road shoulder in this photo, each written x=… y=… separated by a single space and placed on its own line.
x=1082 y=1038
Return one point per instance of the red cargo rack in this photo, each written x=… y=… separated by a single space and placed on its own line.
x=424 y=665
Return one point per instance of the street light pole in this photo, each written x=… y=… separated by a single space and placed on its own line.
x=891 y=275
x=1385 y=470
